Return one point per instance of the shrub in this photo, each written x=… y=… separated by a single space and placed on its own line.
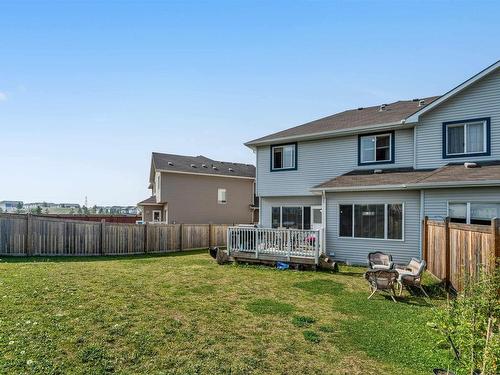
x=302 y=321
x=470 y=325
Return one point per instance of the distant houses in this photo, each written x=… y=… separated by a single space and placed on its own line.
x=65 y=208
x=10 y=206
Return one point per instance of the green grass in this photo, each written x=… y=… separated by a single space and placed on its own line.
x=184 y=314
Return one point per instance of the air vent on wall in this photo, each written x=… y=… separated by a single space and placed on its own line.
x=170 y=163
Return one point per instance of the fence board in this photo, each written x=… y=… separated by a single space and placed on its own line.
x=459 y=251
x=195 y=236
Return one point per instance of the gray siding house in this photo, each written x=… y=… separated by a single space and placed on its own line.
x=368 y=176
x=199 y=190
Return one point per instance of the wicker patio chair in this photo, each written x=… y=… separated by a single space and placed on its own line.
x=411 y=275
x=380 y=261
x=382 y=281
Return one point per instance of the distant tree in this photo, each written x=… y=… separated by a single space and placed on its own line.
x=19 y=205
x=72 y=211
x=94 y=210
x=79 y=211
x=101 y=211
x=85 y=210
x=38 y=210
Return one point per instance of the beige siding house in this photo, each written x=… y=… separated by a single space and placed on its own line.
x=196 y=189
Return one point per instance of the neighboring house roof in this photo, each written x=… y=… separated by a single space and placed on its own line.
x=200 y=165
x=150 y=201
x=450 y=175
x=490 y=69
x=392 y=114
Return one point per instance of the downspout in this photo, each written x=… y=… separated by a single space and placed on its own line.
x=415 y=147
x=323 y=221
x=422 y=213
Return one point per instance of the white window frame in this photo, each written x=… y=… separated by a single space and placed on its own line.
x=386 y=222
x=219 y=200
x=153 y=216
x=294 y=158
x=464 y=125
x=468 y=204
x=375 y=161
x=293 y=206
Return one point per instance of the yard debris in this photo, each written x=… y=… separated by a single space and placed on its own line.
x=221 y=257
x=282 y=266
x=328 y=263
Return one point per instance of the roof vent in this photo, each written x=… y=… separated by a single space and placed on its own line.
x=214 y=167
x=204 y=166
x=382 y=107
x=421 y=102
x=470 y=165
x=360 y=108
x=193 y=166
x=377 y=171
x=231 y=170
x=170 y=163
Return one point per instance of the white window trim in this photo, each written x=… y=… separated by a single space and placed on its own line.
x=291 y=205
x=219 y=201
x=385 y=222
x=375 y=149
x=293 y=159
x=468 y=203
x=158 y=184
x=153 y=216
x=464 y=125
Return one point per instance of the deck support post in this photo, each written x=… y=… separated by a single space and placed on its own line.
x=228 y=241
x=288 y=245
x=316 y=248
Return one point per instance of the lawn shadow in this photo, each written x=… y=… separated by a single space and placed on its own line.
x=96 y=258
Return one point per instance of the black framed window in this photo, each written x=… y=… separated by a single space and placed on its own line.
x=376 y=148
x=291 y=217
x=378 y=221
x=284 y=157
x=466 y=138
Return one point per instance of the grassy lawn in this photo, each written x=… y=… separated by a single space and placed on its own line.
x=184 y=314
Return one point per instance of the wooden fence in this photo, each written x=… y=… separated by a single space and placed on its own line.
x=453 y=250
x=41 y=235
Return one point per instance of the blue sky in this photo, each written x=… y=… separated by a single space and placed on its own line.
x=88 y=89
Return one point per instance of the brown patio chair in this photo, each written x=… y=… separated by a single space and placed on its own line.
x=411 y=275
x=382 y=281
x=380 y=261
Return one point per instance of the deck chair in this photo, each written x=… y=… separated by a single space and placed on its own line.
x=380 y=261
x=411 y=275
x=382 y=281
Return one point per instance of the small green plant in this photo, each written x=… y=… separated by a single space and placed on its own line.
x=326 y=328
x=302 y=321
x=470 y=325
x=312 y=336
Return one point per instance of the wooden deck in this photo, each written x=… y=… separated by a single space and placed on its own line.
x=268 y=246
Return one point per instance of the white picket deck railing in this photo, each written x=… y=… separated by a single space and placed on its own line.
x=280 y=242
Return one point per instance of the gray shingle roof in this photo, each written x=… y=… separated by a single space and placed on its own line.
x=353 y=118
x=453 y=173
x=150 y=200
x=201 y=164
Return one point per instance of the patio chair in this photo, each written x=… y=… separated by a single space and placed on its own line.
x=382 y=281
x=380 y=261
x=411 y=275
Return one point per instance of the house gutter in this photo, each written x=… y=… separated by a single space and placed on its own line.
x=416 y=186
x=327 y=134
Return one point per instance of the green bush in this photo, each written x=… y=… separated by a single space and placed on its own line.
x=470 y=325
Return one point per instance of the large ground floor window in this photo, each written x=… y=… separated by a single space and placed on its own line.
x=382 y=221
x=291 y=217
x=473 y=212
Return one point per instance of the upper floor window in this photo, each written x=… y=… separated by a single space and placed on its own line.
x=284 y=157
x=466 y=137
x=376 y=148
x=221 y=196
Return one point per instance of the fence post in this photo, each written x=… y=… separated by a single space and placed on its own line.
x=210 y=236
x=103 y=229
x=181 y=237
x=447 y=250
x=425 y=238
x=495 y=243
x=146 y=241
x=228 y=240
x=29 y=235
